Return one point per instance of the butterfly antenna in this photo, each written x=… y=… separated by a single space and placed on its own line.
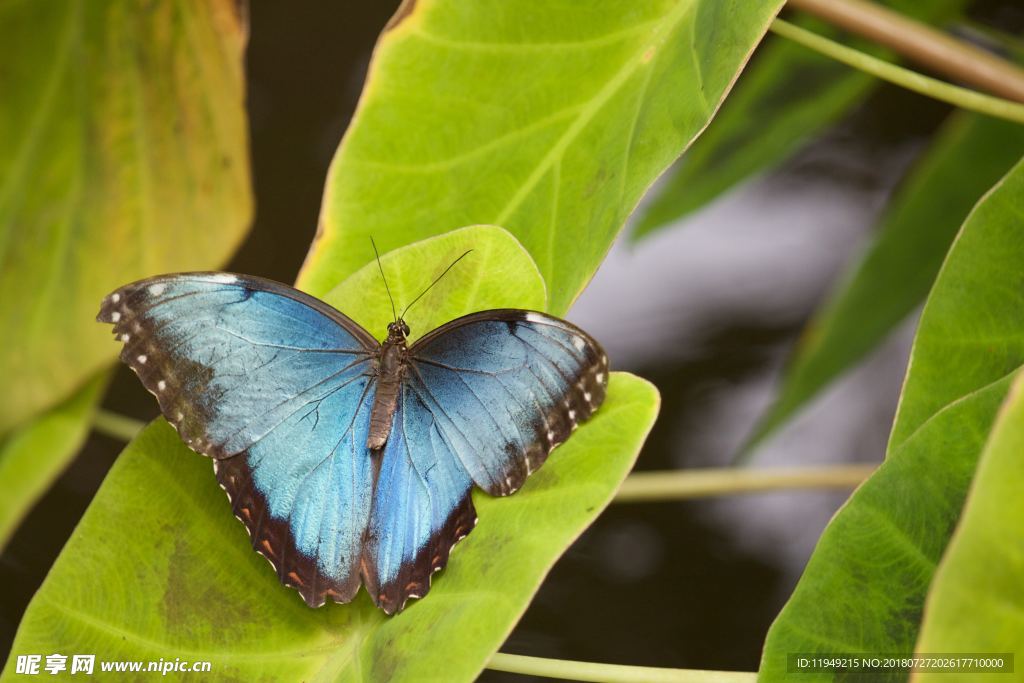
x=386 y=288
x=436 y=280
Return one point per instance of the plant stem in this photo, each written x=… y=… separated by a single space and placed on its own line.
x=643 y=486
x=682 y=484
x=921 y=43
x=116 y=426
x=911 y=80
x=611 y=673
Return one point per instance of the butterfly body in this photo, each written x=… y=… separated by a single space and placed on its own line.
x=390 y=369
x=351 y=461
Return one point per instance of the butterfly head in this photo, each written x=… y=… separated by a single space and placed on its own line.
x=397 y=331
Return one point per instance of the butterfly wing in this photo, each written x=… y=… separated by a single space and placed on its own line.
x=421 y=507
x=506 y=387
x=276 y=386
x=484 y=399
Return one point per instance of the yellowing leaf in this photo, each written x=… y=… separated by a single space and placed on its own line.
x=123 y=154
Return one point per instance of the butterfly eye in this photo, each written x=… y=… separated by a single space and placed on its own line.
x=405 y=328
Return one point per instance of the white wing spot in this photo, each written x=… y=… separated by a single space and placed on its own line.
x=157 y=289
x=223 y=278
x=161 y=385
x=572 y=414
x=551 y=435
x=179 y=416
x=115 y=297
x=115 y=316
x=578 y=343
x=586 y=396
x=125 y=337
x=535 y=318
x=599 y=377
x=142 y=359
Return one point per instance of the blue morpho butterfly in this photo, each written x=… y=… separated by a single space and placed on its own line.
x=350 y=461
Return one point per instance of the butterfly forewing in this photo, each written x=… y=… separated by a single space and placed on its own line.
x=506 y=387
x=230 y=357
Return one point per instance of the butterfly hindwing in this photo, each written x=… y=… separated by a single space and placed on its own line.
x=505 y=387
x=305 y=491
x=276 y=386
x=421 y=509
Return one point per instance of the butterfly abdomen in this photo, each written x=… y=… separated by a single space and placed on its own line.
x=389 y=382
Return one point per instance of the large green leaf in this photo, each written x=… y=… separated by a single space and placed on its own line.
x=122 y=154
x=976 y=603
x=548 y=118
x=787 y=96
x=32 y=456
x=865 y=585
x=159 y=567
x=899 y=267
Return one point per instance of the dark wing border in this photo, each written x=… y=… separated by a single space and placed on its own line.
x=256 y=282
x=507 y=315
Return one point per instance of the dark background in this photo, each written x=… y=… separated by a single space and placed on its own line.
x=651 y=584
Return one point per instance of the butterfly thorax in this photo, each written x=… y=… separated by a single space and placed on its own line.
x=389 y=369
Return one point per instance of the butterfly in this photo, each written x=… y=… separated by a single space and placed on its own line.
x=351 y=461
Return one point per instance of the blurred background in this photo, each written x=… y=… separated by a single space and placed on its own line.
x=708 y=310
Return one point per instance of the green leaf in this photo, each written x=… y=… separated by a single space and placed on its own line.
x=123 y=153
x=32 y=456
x=899 y=267
x=550 y=119
x=865 y=585
x=971 y=333
x=159 y=567
x=498 y=273
x=787 y=96
x=975 y=603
